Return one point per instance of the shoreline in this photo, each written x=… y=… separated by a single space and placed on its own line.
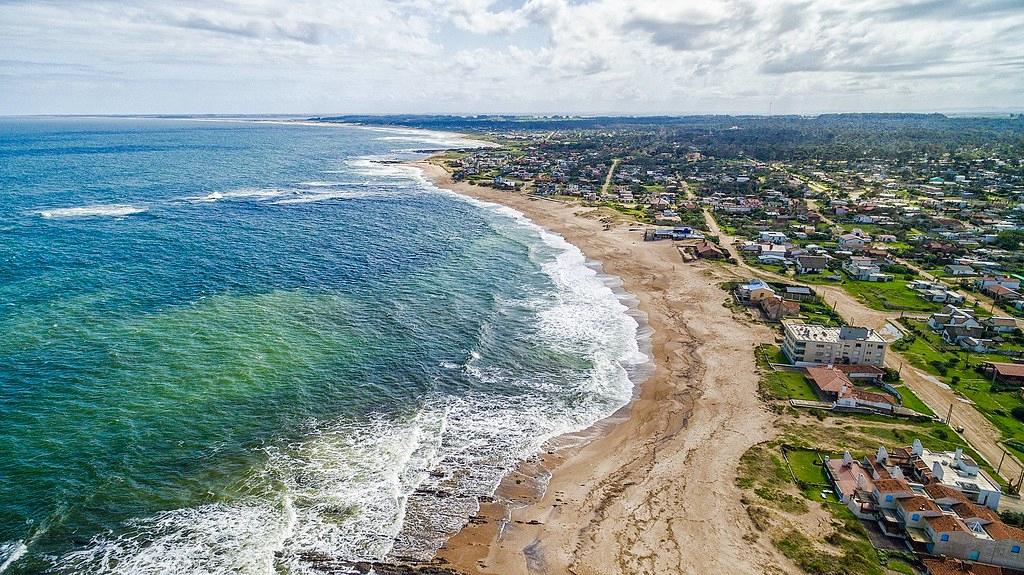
x=650 y=488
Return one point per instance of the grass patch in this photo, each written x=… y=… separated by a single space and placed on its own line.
x=888 y=296
x=911 y=401
x=806 y=466
x=850 y=553
x=782 y=384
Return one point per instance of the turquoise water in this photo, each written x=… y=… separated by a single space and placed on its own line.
x=228 y=347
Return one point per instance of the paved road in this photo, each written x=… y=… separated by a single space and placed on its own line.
x=978 y=431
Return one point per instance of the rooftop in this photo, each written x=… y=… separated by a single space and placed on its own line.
x=958 y=478
x=814 y=332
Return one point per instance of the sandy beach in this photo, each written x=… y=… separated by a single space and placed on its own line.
x=654 y=492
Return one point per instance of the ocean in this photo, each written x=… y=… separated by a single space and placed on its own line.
x=231 y=347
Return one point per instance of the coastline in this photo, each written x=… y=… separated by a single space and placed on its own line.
x=651 y=488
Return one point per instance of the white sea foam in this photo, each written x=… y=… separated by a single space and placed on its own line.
x=429 y=137
x=241 y=194
x=109 y=210
x=309 y=198
x=10 y=552
x=344 y=493
x=328 y=184
x=397 y=486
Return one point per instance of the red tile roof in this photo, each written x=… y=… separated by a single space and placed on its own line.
x=941 y=491
x=891 y=485
x=969 y=510
x=828 y=379
x=864 y=395
x=918 y=503
x=1001 y=532
x=957 y=567
x=945 y=523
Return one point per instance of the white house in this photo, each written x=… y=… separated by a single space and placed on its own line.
x=773 y=237
x=852 y=241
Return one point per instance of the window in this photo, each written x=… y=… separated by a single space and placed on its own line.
x=915 y=517
x=888 y=498
x=1015 y=549
x=944 y=537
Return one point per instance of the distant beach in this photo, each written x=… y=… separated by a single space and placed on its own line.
x=654 y=492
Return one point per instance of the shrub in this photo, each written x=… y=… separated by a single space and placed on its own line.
x=1018 y=412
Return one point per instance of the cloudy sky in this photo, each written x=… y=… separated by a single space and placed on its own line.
x=532 y=56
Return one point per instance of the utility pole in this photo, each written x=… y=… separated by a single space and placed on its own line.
x=949 y=414
x=1000 y=466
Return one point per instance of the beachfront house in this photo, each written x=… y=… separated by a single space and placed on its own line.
x=834 y=385
x=775 y=308
x=754 y=291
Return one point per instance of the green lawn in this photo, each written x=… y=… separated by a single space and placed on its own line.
x=911 y=401
x=806 y=466
x=821 y=278
x=889 y=296
x=782 y=384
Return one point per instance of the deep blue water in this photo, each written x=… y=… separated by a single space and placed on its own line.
x=227 y=346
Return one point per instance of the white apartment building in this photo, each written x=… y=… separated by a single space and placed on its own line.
x=810 y=344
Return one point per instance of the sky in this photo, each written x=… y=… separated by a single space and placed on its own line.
x=510 y=56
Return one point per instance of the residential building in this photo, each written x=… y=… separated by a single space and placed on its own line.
x=775 y=308
x=773 y=237
x=1000 y=324
x=1001 y=293
x=708 y=251
x=811 y=264
x=952 y=316
x=754 y=291
x=1004 y=281
x=798 y=293
x=959 y=270
x=939 y=502
x=834 y=385
x=852 y=241
x=811 y=344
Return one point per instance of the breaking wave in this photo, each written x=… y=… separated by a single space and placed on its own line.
x=111 y=210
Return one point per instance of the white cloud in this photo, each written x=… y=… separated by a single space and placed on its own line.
x=639 y=56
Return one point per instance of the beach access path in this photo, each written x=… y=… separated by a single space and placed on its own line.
x=654 y=491
x=608 y=177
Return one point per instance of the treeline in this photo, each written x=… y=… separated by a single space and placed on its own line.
x=786 y=138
